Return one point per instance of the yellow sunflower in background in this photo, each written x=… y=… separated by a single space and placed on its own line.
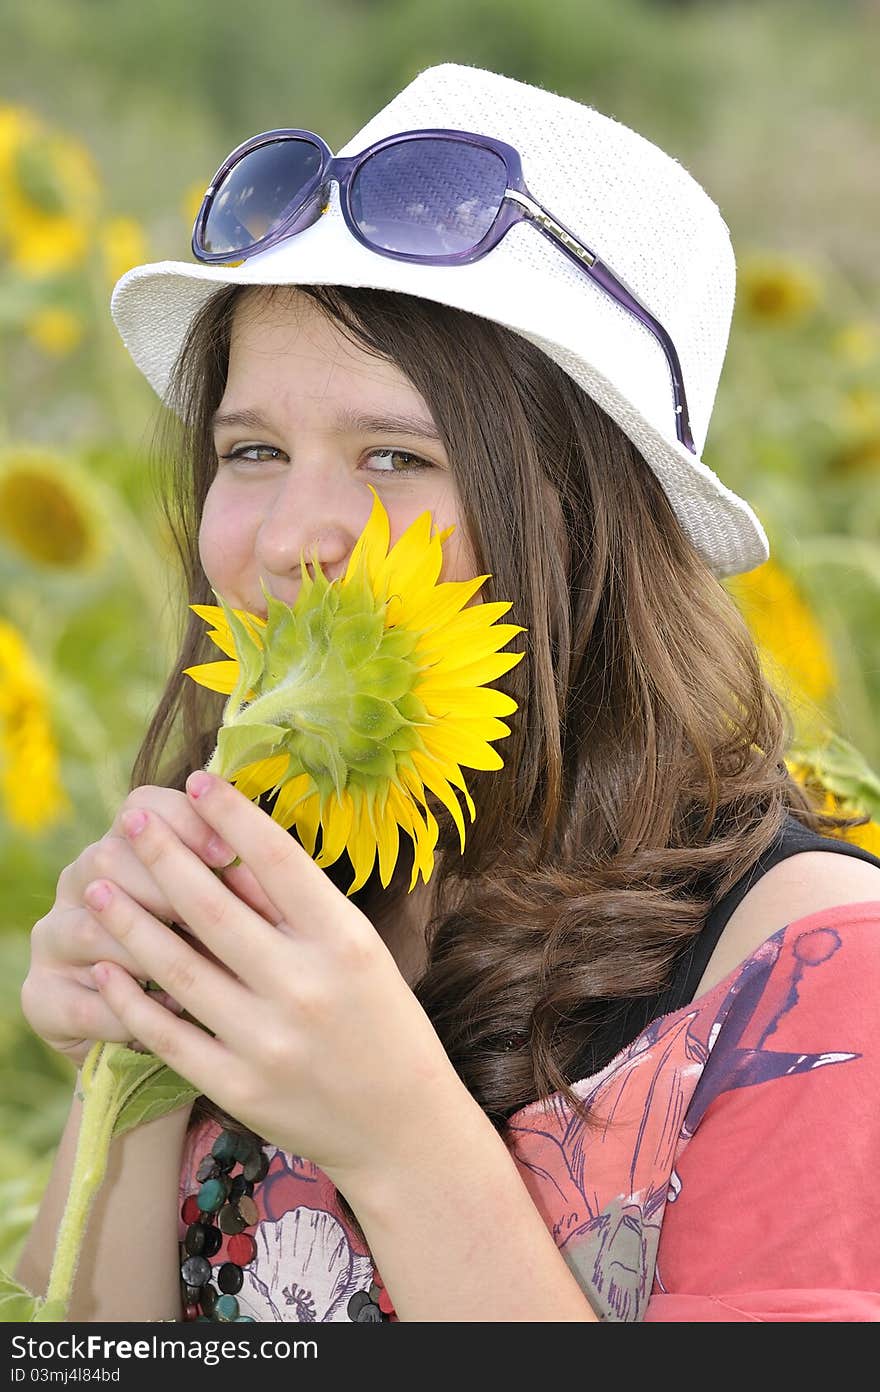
x=793 y=648
x=31 y=793
x=123 y=245
x=810 y=774
x=54 y=329
x=49 y=195
x=364 y=694
x=48 y=511
x=778 y=289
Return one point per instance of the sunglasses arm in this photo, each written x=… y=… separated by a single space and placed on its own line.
x=609 y=282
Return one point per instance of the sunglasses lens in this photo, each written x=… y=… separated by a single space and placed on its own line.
x=259 y=192
x=428 y=197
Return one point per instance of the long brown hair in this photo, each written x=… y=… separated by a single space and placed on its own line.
x=645 y=772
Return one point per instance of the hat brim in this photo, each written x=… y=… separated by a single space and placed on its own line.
x=568 y=317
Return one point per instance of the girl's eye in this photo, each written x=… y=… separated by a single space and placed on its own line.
x=244 y=450
x=414 y=461
x=417 y=461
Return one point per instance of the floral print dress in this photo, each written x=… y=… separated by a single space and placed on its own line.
x=729 y=1173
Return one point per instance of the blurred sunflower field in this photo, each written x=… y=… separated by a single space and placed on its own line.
x=86 y=617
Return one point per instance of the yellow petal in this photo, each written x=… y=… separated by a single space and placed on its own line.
x=217 y=676
x=260 y=776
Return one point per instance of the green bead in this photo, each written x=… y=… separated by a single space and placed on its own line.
x=243 y=1148
x=226 y=1309
x=212 y=1195
x=244 y=1319
x=224 y=1146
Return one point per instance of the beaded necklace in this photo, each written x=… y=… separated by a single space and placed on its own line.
x=224 y=1204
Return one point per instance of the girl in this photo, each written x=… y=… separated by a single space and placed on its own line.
x=609 y=1061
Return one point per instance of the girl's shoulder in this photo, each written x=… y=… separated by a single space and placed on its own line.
x=807 y=883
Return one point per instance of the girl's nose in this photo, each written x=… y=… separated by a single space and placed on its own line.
x=308 y=518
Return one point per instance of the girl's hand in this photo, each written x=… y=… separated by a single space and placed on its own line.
x=59 y=996
x=318 y=1043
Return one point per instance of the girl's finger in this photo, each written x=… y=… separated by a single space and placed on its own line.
x=77 y=938
x=230 y=930
x=283 y=868
x=204 y=1061
x=244 y=883
x=88 y=1015
x=205 y=990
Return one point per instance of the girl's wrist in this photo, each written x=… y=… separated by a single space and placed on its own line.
x=439 y=1122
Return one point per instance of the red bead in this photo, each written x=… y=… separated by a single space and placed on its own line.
x=190 y=1312
x=190 y=1211
x=241 y=1249
x=385 y=1304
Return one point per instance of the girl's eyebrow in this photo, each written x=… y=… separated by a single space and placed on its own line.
x=348 y=421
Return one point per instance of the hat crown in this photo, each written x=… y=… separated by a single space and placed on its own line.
x=636 y=207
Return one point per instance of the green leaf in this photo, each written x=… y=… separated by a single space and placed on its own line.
x=399 y=642
x=373 y=717
x=19 y=1305
x=250 y=660
x=357 y=638
x=162 y=1093
x=846 y=773
x=389 y=677
x=16 y=1301
x=238 y=745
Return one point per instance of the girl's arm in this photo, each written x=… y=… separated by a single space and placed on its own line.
x=456 y=1236
x=129 y=1266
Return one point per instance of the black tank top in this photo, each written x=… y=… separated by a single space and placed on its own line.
x=626 y=1022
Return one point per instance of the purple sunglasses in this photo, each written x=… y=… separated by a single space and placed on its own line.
x=439 y=197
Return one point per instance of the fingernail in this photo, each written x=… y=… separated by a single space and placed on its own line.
x=133 y=823
x=217 y=853
x=198 y=784
x=98 y=896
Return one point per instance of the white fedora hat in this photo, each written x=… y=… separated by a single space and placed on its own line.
x=633 y=206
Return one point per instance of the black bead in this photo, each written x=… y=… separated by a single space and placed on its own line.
x=208 y=1298
x=194 y=1242
x=213 y=1241
x=238 y=1188
x=256 y=1167
x=369 y=1314
x=375 y=1291
x=191 y=1294
x=196 y=1271
x=230 y=1278
x=356 y=1304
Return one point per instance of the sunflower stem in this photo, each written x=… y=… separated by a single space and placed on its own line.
x=92 y=1149
x=274 y=707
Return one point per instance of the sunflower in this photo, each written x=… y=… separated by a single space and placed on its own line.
x=49 y=195
x=776 y=289
x=793 y=646
x=366 y=693
x=32 y=795
x=807 y=770
x=48 y=510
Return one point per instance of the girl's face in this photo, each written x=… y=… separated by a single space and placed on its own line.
x=319 y=420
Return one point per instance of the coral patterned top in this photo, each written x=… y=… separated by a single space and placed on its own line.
x=732 y=1174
